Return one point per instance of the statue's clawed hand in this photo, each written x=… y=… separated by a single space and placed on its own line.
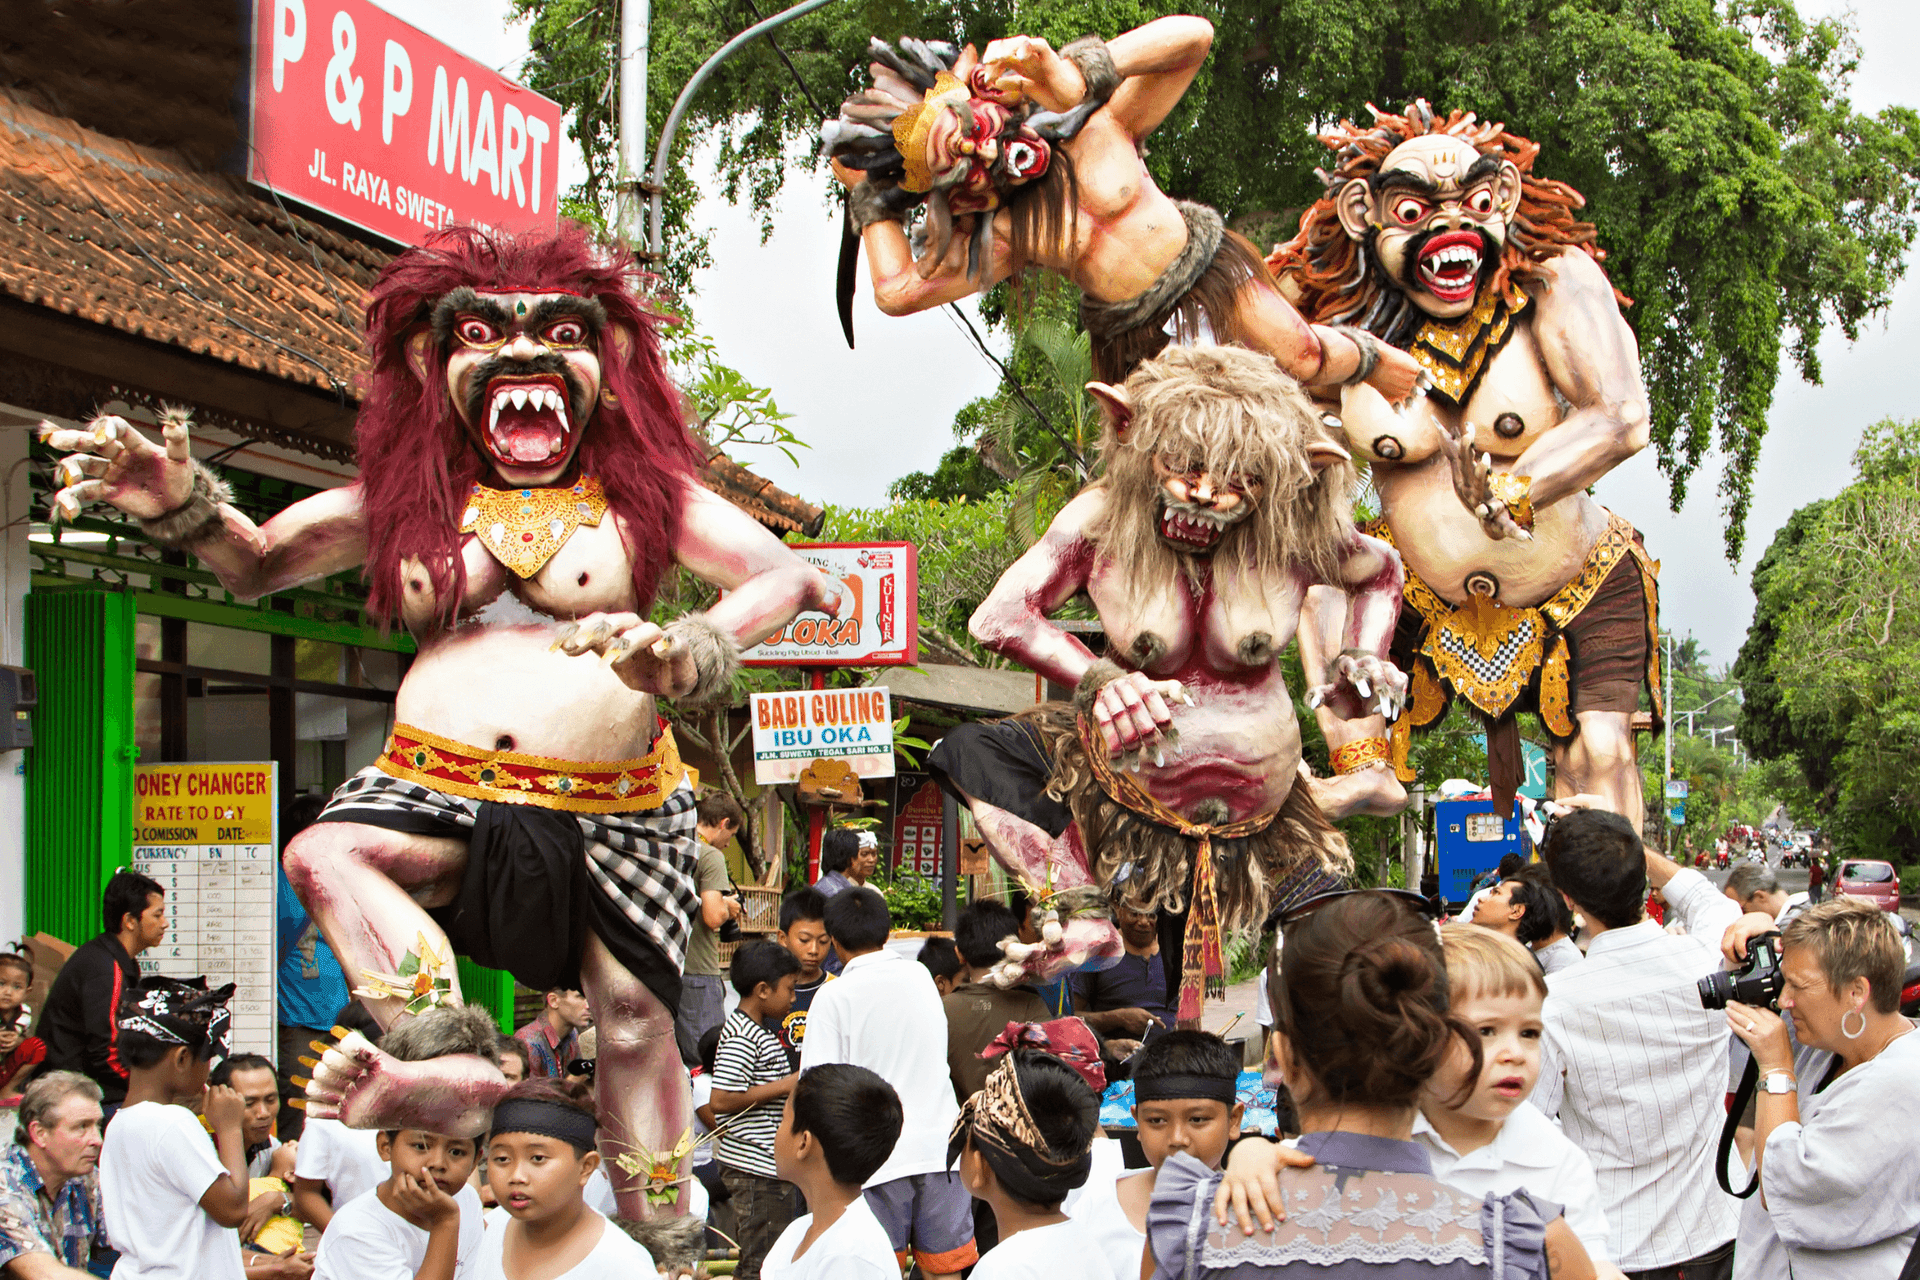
x=644 y=657
x=1473 y=482
x=1363 y=685
x=1135 y=717
x=115 y=463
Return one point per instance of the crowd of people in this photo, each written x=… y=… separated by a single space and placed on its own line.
x=1537 y=1088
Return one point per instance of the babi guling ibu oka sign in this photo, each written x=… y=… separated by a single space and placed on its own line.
x=357 y=114
x=792 y=730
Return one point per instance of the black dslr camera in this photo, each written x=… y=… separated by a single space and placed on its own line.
x=1758 y=984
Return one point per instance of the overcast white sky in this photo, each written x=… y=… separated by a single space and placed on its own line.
x=885 y=409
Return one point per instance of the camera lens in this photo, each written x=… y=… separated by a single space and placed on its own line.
x=1715 y=990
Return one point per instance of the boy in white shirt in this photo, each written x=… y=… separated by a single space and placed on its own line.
x=884 y=1013
x=839 y=1127
x=171 y=1200
x=413 y=1226
x=1481 y=1134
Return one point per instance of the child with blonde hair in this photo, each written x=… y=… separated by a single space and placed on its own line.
x=1481 y=1134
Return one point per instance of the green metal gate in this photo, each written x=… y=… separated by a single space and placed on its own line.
x=80 y=770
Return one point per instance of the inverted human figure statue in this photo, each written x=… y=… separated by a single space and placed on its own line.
x=525 y=480
x=1025 y=157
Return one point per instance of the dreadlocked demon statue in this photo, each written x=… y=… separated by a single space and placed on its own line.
x=1171 y=781
x=1031 y=158
x=524 y=482
x=1434 y=235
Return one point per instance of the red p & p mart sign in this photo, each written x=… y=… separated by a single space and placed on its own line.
x=356 y=113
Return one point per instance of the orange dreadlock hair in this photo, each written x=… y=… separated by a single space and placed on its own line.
x=1335 y=279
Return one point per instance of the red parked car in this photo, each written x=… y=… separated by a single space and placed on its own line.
x=1877 y=882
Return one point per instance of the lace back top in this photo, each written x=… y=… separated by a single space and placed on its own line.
x=1350 y=1219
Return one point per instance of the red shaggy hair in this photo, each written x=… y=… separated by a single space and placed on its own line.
x=417 y=460
x=1333 y=279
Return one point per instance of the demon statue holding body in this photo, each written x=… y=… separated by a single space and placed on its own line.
x=524 y=482
x=1030 y=158
x=1524 y=593
x=1172 y=782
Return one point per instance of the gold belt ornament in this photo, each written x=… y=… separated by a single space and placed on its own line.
x=508 y=777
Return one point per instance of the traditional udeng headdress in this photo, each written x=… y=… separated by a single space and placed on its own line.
x=1002 y=1129
x=180 y=1012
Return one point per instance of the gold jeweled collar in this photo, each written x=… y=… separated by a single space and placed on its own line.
x=1456 y=353
x=523 y=528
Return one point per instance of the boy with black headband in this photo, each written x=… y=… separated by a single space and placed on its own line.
x=171 y=1202
x=539 y=1156
x=1023 y=1142
x=1185 y=1098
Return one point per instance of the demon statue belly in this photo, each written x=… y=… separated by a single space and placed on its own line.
x=524 y=482
x=1169 y=783
x=1525 y=593
x=1030 y=158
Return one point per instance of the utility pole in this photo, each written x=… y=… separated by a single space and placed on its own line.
x=630 y=204
x=1666 y=823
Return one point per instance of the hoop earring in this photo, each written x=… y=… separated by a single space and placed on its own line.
x=1853 y=1035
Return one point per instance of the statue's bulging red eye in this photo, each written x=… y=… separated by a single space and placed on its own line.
x=570 y=333
x=1480 y=201
x=1408 y=210
x=475 y=330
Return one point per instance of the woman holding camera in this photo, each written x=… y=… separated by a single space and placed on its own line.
x=1837 y=1132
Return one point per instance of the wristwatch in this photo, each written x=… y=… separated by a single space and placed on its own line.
x=1778 y=1082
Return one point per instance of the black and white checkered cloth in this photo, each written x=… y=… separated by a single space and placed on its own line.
x=644 y=862
x=1492 y=670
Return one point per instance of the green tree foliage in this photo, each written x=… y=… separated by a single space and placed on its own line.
x=1744 y=204
x=964 y=547
x=960 y=477
x=1829 y=663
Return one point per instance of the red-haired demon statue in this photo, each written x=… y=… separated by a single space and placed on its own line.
x=525 y=479
x=1523 y=593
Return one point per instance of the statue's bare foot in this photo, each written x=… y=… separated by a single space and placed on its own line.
x=363 y=1088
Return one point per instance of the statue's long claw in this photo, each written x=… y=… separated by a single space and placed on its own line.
x=1362 y=686
x=1160 y=758
x=565 y=634
x=1315 y=698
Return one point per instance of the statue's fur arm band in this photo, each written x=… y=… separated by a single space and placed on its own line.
x=867 y=204
x=716 y=656
x=195 y=518
x=1090 y=57
x=1101 y=674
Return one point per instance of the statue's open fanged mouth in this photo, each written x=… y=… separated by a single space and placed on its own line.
x=528 y=419
x=1193 y=529
x=1450 y=265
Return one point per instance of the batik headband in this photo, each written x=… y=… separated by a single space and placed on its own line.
x=547 y=1119
x=1174 y=1088
x=179 y=1012
x=1005 y=1135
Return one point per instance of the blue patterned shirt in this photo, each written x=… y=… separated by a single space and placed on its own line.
x=69 y=1225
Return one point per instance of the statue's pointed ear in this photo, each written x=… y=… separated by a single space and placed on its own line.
x=1115 y=405
x=1321 y=455
x=623 y=342
x=420 y=355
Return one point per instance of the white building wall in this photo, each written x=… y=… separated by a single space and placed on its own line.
x=15 y=434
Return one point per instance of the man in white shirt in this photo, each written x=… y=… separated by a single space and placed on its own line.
x=1632 y=1062
x=885 y=1014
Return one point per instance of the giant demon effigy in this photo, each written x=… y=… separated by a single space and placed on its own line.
x=1172 y=781
x=524 y=482
x=1524 y=593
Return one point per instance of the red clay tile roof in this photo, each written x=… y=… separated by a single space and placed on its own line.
x=760 y=498
x=134 y=238
x=131 y=237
